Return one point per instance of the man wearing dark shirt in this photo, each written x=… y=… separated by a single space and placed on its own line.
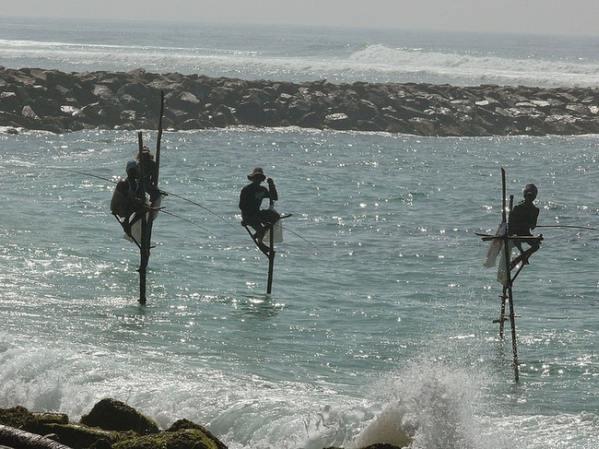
x=126 y=200
x=250 y=200
x=523 y=219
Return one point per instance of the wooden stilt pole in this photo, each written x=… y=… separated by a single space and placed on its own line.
x=503 y=220
x=147 y=220
x=144 y=249
x=159 y=137
x=502 y=311
x=511 y=304
x=514 y=341
x=508 y=274
x=271 y=259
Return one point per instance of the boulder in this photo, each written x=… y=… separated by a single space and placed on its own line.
x=250 y=113
x=338 y=121
x=50 y=418
x=110 y=414
x=187 y=424
x=311 y=120
x=81 y=437
x=180 y=439
x=102 y=91
x=9 y=101
x=137 y=90
x=29 y=113
x=298 y=109
x=18 y=417
x=193 y=123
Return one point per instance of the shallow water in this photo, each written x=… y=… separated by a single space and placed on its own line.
x=387 y=308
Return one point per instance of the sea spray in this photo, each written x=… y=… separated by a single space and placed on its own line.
x=434 y=404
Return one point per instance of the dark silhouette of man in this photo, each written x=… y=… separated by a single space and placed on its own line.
x=250 y=200
x=523 y=219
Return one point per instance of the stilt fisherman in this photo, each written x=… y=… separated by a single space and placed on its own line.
x=523 y=219
x=250 y=201
x=126 y=204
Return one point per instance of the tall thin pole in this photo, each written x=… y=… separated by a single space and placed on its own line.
x=144 y=249
x=511 y=304
x=502 y=311
x=271 y=259
x=159 y=137
x=504 y=221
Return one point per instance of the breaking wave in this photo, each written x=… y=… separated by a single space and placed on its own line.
x=478 y=69
x=373 y=63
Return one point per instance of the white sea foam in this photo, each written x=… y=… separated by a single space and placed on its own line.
x=482 y=69
x=376 y=63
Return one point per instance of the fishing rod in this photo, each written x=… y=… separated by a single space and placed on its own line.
x=568 y=226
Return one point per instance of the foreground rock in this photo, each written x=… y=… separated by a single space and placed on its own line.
x=58 y=102
x=116 y=426
x=110 y=414
x=112 y=424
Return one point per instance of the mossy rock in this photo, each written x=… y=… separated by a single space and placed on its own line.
x=382 y=446
x=82 y=437
x=17 y=417
x=51 y=417
x=110 y=414
x=181 y=439
x=182 y=424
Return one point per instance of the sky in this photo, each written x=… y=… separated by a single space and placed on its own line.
x=514 y=16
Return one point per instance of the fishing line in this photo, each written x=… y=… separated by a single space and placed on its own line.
x=568 y=226
x=304 y=239
x=199 y=205
x=195 y=203
x=185 y=219
x=84 y=174
x=161 y=191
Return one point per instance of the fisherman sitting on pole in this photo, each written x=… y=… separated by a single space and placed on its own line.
x=126 y=204
x=250 y=200
x=523 y=219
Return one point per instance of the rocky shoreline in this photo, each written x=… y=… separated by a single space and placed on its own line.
x=110 y=424
x=60 y=102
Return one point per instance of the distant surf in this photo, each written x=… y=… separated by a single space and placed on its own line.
x=340 y=60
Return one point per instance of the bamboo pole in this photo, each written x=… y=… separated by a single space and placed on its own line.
x=145 y=241
x=502 y=311
x=511 y=304
x=503 y=220
x=271 y=259
x=159 y=137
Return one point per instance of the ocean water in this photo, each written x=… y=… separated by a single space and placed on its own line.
x=380 y=317
x=301 y=53
x=380 y=321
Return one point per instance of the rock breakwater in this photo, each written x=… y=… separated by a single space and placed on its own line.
x=57 y=101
